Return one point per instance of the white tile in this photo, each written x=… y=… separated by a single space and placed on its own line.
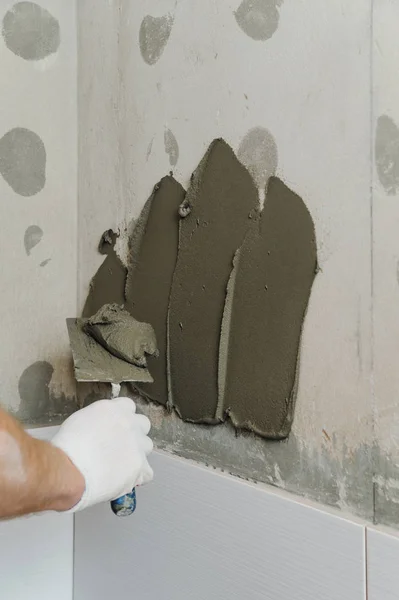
x=197 y=534
x=36 y=558
x=382 y=565
x=36 y=552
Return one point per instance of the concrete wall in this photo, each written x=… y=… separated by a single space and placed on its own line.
x=38 y=207
x=318 y=78
x=194 y=70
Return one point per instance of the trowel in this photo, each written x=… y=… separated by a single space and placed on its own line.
x=93 y=363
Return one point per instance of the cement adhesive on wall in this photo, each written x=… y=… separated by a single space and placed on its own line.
x=228 y=350
x=321 y=140
x=152 y=258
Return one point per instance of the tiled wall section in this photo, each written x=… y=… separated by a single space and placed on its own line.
x=382 y=564
x=255 y=544
x=199 y=534
x=38 y=207
x=286 y=548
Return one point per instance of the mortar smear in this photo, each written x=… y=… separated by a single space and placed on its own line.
x=273 y=277
x=216 y=214
x=108 y=284
x=153 y=253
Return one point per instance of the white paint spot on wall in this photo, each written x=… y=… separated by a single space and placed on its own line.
x=387 y=154
x=30 y=31
x=23 y=161
x=153 y=37
x=258 y=18
x=171 y=147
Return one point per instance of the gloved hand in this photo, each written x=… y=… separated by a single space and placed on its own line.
x=108 y=442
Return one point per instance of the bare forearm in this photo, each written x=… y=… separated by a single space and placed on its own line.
x=34 y=475
x=81 y=467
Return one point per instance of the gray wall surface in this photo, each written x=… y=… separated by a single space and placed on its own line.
x=38 y=207
x=159 y=81
x=156 y=83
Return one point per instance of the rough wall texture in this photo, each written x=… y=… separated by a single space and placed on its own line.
x=300 y=90
x=38 y=207
x=288 y=86
x=385 y=226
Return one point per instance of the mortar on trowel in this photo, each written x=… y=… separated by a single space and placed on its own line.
x=112 y=347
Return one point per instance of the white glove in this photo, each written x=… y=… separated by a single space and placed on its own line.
x=107 y=441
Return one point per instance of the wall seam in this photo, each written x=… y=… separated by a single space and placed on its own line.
x=121 y=200
x=78 y=274
x=371 y=179
x=74 y=556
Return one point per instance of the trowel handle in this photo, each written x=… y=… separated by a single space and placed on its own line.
x=125 y=505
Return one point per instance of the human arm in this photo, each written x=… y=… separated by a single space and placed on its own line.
x=34 y=475
x=98 y=454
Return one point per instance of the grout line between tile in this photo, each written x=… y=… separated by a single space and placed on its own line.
x=366 y=570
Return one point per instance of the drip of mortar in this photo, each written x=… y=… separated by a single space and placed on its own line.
x=111 y=347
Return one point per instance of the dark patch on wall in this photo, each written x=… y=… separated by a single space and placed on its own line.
x=386 y=488
x=153 y=37
x=89 y=392
x=30 y=31
x=108 y=284
x=38 y=405
x=32 y=237
x=274 y=273
x=259 y=19
x=33 y=388
x=219 y=203
x=387 y=154
x=23 y=161
x=149 y=149
x=258 y=153
x=153 y=249
x=171 y=147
